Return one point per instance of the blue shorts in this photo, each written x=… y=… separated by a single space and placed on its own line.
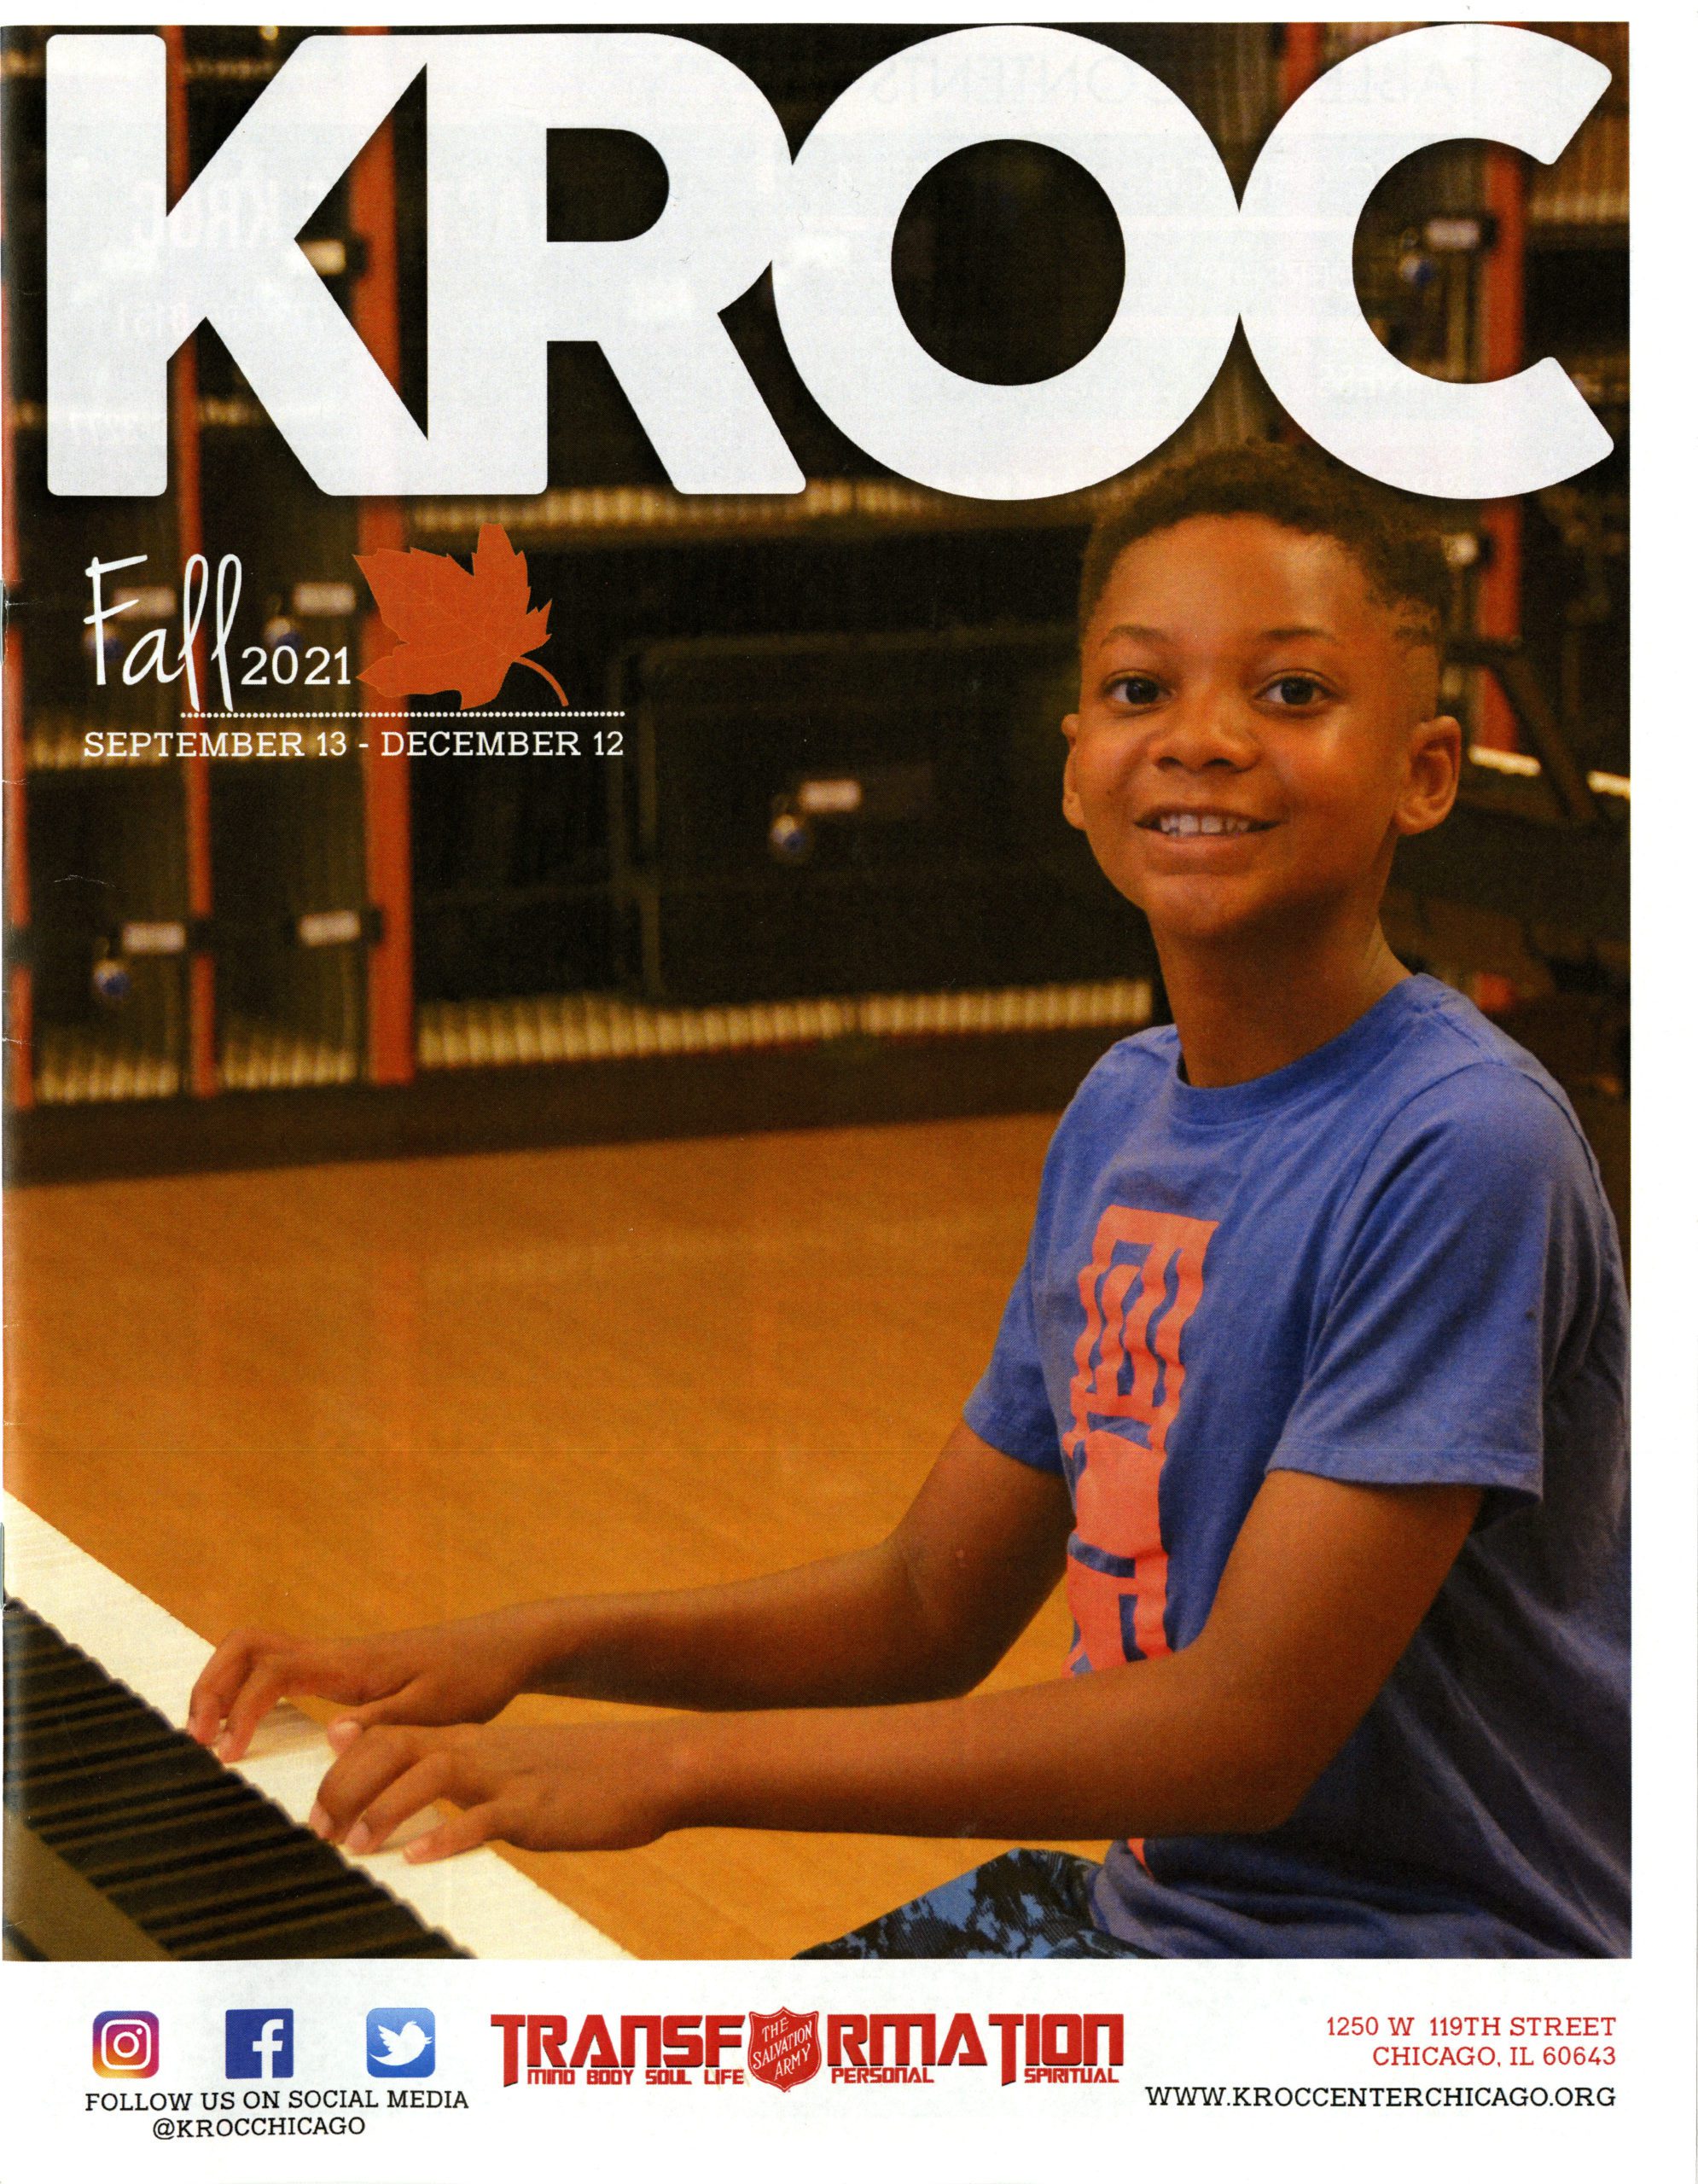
x=1025 y=1903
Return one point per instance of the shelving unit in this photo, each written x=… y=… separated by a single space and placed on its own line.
x=98 y=874
x=226 y=933
x=378 y=953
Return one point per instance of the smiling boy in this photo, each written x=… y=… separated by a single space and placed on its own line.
x=1311 y=1387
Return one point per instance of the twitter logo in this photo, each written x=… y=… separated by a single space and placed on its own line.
x=400 y=2043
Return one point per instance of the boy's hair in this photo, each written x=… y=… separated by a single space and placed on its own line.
x=1401 y=556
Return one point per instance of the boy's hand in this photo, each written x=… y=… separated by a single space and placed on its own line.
x=599 y=1787
x=447 y=1672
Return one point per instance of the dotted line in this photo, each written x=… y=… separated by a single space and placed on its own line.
x=470 y=713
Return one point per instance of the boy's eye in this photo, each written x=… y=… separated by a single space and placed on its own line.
x=1135 y=690
x=1295 y=690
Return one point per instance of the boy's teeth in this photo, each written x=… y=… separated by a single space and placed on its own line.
x=1201 y=822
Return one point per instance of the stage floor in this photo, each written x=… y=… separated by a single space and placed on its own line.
x=356 y=1398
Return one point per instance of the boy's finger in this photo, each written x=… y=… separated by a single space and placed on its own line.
x=461 y=1831
x=264 y=1687
x=218 y=1682
x=371 y=1764
x=402 y=1705
x=422 y=1783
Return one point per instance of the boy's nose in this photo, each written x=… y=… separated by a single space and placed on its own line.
x=1207 y=732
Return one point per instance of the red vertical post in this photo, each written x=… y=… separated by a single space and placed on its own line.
x=1502 y=352
x=388 y=814
x=1299 y=60
x=19 y=986
x=1300 y=64
x=185 y=418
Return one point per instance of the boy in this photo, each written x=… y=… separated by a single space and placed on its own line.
x=1311 y=1385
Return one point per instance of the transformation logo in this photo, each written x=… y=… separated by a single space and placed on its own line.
x=258 y=2043
x=126 y=2044
x=400 y=2043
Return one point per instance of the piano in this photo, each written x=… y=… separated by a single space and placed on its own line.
x=127 y=1840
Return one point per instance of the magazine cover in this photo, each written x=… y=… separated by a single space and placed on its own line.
x=818 y=1055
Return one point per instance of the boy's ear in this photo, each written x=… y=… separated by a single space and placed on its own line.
x=1071 y=811
x=1435 y=770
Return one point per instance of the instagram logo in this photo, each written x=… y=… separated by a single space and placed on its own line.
x=126 y=2044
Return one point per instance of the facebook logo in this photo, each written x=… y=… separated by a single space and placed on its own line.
x=258 y=2043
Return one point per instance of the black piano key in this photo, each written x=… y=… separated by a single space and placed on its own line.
x=48 y=1691
x=205 y=1924
x=97 y=1766
x=45 y=1696
x=40 y=1676
x=118 y=1817
x=251 y=1891
x=54 y=1740
x=150 y=1774
x=192 y=1855
x=108 y=1739
x=365 y=1931
x=64 y=1717
x=45 y=1682
x=166 y=1847
x=25 y=1644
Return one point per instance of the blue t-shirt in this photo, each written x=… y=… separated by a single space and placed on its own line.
x=1393 y=1262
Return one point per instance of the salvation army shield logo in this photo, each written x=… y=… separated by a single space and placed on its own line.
x=783 y=2049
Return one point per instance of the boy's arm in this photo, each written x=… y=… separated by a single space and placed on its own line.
x=924 y=1614
x=1324 y=1589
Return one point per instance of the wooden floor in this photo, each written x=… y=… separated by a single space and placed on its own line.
x=356 y=1398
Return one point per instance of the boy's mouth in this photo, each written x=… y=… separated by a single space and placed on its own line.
x=1179 y=824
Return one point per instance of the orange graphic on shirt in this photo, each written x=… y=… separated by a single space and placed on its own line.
x=1142 y=1285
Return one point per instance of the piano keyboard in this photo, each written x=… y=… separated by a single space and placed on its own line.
x=124 y=1839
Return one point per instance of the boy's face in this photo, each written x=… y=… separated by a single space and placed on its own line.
x=1253 y=733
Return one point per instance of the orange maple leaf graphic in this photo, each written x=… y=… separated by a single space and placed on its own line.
x=459 y=629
